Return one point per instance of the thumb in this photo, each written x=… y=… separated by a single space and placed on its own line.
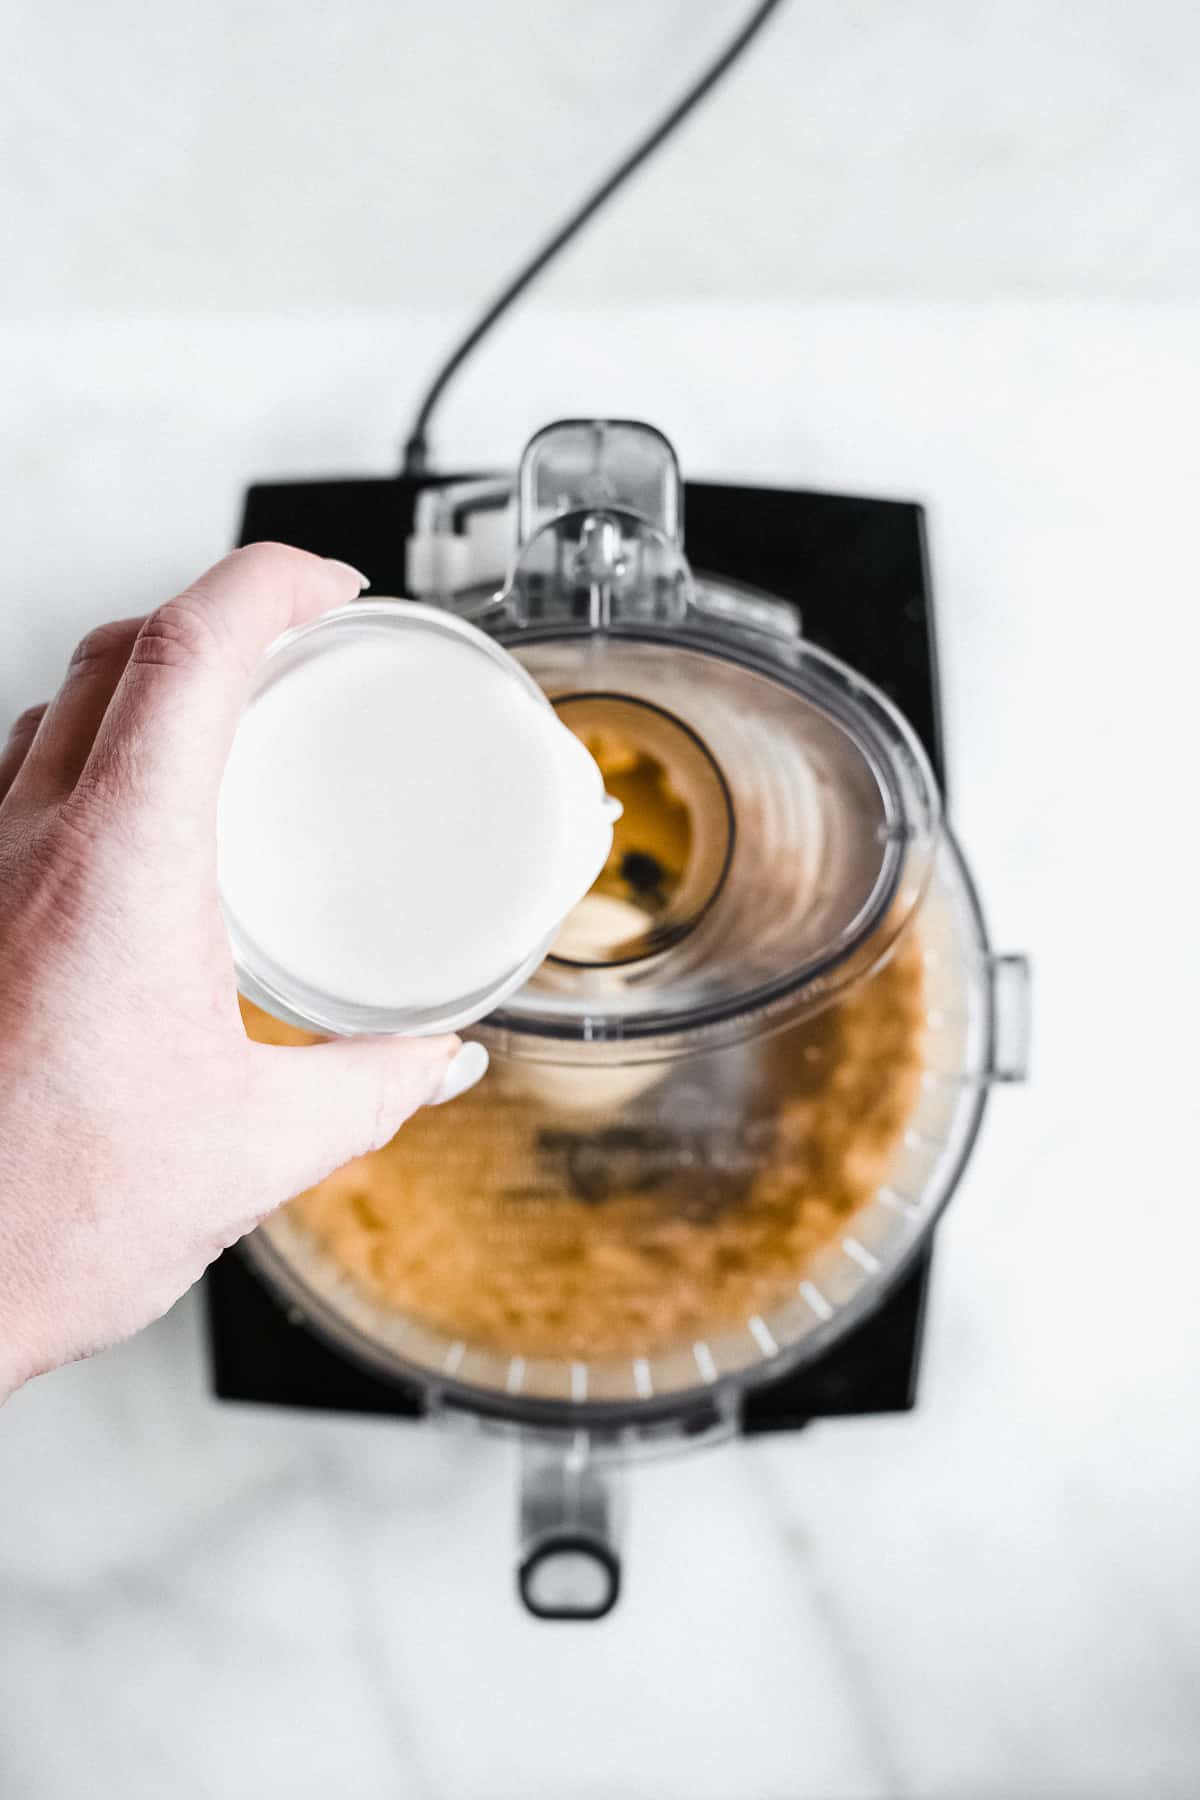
x=319 y=1106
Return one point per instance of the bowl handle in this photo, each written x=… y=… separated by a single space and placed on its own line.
x=1008 y=1052
x=569 y=1564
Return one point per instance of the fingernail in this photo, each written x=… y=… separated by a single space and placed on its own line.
x=468 y=1066
x=349 y=568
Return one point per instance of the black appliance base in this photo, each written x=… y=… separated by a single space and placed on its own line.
x=856 y=569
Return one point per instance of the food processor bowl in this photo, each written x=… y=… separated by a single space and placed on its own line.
x=785 y=949
x=975 y=1016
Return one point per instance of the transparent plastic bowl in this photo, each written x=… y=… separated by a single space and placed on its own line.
x=975 y=1035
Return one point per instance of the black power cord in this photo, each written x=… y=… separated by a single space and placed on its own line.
x=416 y=450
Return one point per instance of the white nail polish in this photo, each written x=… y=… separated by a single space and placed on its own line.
x=467 y=1066
x=363 y=583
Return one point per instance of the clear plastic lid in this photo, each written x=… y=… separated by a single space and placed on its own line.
x=808 y=813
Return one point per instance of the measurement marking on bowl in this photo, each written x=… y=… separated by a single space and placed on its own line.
x=860 y=1254
x=761 y=1332
x=642 y=1379
x=516 y=1375
x=704 y=1361
x=454 y=1356
x=899 y=1203
x=816 y=1300
x=578 y=1381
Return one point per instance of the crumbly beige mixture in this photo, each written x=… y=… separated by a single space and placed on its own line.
x=541 y=1230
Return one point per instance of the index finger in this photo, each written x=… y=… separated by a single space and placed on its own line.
x=168 y=728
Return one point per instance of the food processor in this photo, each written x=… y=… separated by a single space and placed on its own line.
x=728 y=1108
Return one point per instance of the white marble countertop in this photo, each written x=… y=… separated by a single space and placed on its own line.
x=995 y=1596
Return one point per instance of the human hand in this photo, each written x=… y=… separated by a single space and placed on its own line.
x=141 y=1132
